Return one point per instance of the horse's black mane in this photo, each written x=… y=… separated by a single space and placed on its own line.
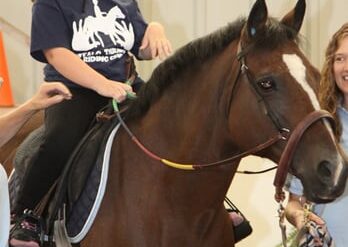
x=198 y=51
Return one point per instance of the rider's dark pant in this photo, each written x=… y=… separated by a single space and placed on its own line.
x=65 y=125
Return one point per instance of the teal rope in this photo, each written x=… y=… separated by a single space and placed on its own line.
x=115 y=105
x=130 y=95
x=118 y=115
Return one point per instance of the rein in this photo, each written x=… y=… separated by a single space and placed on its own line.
x=187 y=166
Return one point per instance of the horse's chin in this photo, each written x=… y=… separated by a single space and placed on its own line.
x=316 y=198
x=319 y=199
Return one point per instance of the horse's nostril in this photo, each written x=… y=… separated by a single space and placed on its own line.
x=324 y=169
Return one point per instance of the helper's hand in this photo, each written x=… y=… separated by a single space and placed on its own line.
x=49 y=94
x=300 y=218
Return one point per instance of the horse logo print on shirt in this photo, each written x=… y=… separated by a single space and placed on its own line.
x=87 y=35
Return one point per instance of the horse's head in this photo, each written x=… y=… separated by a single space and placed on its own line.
x=253 y=74
x=275 y=90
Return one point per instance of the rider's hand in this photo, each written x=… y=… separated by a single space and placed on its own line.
x=155 y=43
x=113 y=89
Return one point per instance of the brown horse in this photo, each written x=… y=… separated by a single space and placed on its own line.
x=200 y=106
x=216 y=99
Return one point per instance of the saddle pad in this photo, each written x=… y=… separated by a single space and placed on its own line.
x=86 y=207
x=26 y=151
x=82 y=215
x=13 y=187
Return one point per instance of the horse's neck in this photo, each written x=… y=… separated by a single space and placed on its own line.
x=185 y=120
x=188 y=120
x=187 y=124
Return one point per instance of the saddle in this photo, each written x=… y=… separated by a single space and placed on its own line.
x=85 y=162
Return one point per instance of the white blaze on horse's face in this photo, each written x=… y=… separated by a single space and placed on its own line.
x=298 y=71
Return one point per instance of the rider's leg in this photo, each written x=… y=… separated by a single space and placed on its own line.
x=65 y=125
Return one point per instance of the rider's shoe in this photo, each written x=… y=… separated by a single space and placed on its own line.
x=241 y=226
x=26 y=231
x=235 y=217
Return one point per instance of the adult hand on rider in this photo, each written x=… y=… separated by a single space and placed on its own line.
x=155 y=43
x=49 y=94
x=113 y=89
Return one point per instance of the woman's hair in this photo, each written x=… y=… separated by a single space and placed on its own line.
x=329 y=93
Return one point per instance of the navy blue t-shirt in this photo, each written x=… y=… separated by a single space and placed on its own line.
x=100 y=32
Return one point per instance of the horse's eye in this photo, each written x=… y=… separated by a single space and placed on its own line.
x=266 y=84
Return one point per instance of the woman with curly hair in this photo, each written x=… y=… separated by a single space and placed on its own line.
x=333 y=97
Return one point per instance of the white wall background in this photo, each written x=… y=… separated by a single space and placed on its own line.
x=185 y=20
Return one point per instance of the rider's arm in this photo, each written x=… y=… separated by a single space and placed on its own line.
x=48 y=94
x=155 y=43
x=82 y=74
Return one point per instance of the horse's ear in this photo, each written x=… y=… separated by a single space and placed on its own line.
x=257 y=19
x=295 y=17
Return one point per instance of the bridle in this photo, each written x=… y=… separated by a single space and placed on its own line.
x=282 y=133
x=297 y=133
x=293 y=140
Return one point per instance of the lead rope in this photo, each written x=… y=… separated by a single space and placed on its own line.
x=307 y=209
x=282 y=226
